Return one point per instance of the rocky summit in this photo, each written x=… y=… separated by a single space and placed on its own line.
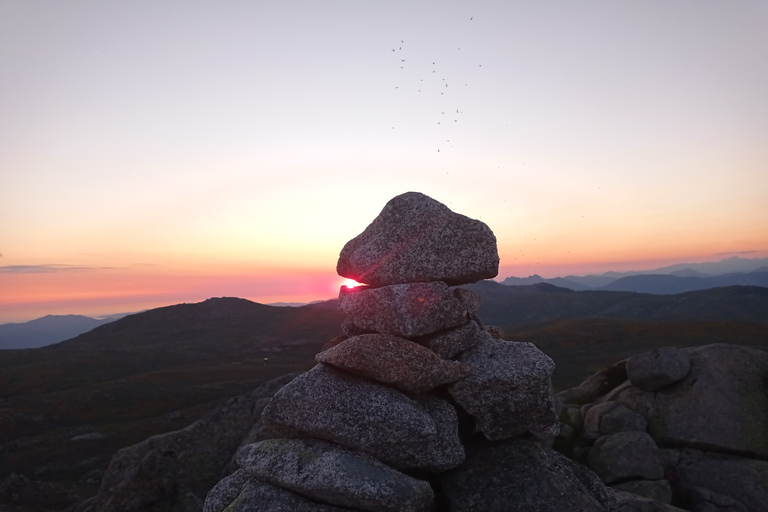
x=416 y=406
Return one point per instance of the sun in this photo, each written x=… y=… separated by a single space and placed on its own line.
x=351 y=283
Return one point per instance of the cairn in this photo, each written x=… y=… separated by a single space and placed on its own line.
x=375 y=421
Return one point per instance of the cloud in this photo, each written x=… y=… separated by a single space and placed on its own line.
x=737 y=253
x=41 y=269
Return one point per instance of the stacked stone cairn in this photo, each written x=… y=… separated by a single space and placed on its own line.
x=381 y=422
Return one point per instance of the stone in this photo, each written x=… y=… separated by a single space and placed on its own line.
x=469 y=298
x=495 y=331
x=629 y=502
x=392 y=360
x=257 y=496
x=419 y=433
x=657 y=490
x=659 y=368
x=518 y=474
x=405 y=310
x=704 y=500
x=625 y=455
x=595 y=386
x=508 y=391
x=331 y=474
x=163 y=468
x=450 y=343
x=225 y=492
x=743 y=480
x=611 y=417
x=721 y=405
x=418 y=239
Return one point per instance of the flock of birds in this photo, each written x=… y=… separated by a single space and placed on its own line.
x=434 y=82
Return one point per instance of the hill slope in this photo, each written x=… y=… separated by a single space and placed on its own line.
x=46 y=330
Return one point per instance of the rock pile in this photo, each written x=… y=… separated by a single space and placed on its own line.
x=416 y=398
x=687 y=426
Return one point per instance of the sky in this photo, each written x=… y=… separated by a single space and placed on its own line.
x=158 y=152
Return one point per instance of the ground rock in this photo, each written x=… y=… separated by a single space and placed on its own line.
x=704 y=500
x=332 y=474
x=721 y=405
x=469 y=298
x=629 y=502
x=625 y=455
x=495 y=331
x=417 y=239
x=226 y=491
x=595 y=386
x=163 y=468
x=657 y=490
x=405 y=310
x=659 y=368
x=257 y=496
x=406 y=433
x=448 y=344
x=743 y=480
x=520 y=475
x=609 y=418
x=393 y=360
x=508 y=391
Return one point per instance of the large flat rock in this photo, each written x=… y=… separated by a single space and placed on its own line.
x=406 y=310
x=520 y=475
x=508 y=391
x=419 y=433
x=721 y=405
x=393 y=360
x=416 y=239
x=332 y=474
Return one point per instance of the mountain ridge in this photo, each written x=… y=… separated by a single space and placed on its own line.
x=678 y=278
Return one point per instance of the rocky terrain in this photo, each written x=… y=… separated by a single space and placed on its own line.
x=682 y=426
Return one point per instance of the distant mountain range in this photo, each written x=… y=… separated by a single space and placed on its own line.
x=674 y=279
x=48 y=330
x=680 y=278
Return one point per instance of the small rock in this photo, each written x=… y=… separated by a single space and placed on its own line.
x=418 y=239
x=508 y=391
x=625 y=455
x=225 y=492
x=657 y=490
x=629 y=502
x=470 y=299
x=448 y=344
x=495 y=331
x=596 y=385
x=405 y=310
x=393 y=360
x=263 y=497
x=611 y=417
x=331 y=474
x=659 y=368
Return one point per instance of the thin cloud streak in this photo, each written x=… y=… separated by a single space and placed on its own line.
x=43 y=269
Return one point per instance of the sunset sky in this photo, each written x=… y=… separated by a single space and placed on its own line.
x=157 y=152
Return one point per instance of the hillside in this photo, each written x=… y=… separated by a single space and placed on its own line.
x=511 y=305
x=65 y=409
x=46 y=330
